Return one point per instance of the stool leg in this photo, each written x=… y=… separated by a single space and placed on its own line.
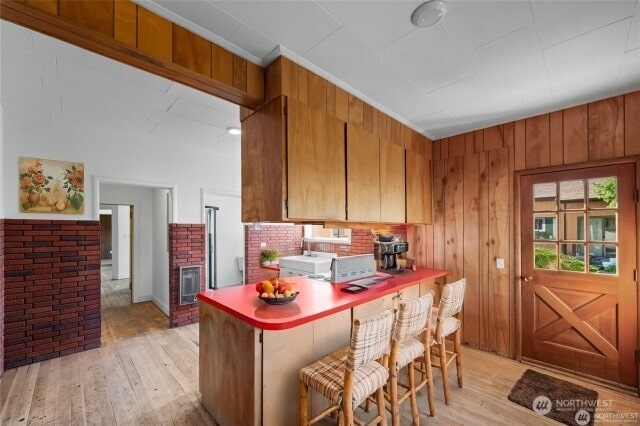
x=302 y=407
x=395 y=410
x=429 y=373
x=382 y=410
x=445 y=373
x=456 y=349
x=412 y=395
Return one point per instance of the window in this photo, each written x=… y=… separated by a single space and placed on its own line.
x=321 y=234
x=575 y=225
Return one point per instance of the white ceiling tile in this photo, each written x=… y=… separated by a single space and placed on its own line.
x=377 y=24
x=188 y=124
x=108 y=86
x=252 y=41
x=464 y=100
x=438 y=125
x=471 y=24
x=405 y=99
x=211 y=117
x=630 y=70
x=427 y=58
x=15 y=34
x=229 y=148
x=344 y=56
x=298 y=25
x=633 y=41
x=558 y=21
x=107 y=121
x=203 y=14
x=56 y=48
x=203 y=99
x=504 y=64
x=573 y=73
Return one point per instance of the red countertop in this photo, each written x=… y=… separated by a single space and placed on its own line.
x=317 y=299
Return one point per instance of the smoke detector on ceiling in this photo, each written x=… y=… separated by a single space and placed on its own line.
x=429 y=13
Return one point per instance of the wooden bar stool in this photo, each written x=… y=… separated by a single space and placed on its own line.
x=445 y=324
x=411 y=341
x=348 y=376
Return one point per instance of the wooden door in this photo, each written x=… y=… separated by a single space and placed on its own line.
x=418 y=188
x=392 y=183
x=363 y=176
x=579 y=300
x=315 y=164
x=105 y=236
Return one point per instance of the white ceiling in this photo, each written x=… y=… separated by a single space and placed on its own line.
x=48 y=80
x=485 y=63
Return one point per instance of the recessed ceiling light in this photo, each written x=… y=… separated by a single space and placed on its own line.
x=429 y=13
x=233 y=130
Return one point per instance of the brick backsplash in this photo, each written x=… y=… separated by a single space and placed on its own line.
x=186 y=248
x=284 y=238
x=51 y=273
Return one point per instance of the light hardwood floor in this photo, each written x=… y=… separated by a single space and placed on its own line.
x=147 y=374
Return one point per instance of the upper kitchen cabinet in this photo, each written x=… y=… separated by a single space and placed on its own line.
x=418 y=175
x=363 y=176
x=392 y=183
x=293 y=164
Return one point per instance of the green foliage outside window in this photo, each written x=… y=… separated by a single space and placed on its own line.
x=606 y=191
x=544 y=257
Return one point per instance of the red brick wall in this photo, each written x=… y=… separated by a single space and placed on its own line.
x=52 y=289
x=186 y=248
x=284 y=238
x=361 y=242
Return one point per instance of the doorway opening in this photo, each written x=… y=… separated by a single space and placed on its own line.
x=116 y=254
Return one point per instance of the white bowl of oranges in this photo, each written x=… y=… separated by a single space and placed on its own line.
x=276 y=291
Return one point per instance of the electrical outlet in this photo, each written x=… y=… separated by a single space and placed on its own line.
x=500 y=263
x=263 y=245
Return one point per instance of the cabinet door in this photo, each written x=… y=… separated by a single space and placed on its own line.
x=392 y=183
x=316 y=164
x=363 y=176
x=263 y=155
x=418 y=188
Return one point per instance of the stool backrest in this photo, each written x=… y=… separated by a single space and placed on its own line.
x=451 y=299
x=413 y=317
x=370 y=338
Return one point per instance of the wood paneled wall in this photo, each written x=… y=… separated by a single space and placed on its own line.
x=285 y=77
x=123 y=31
x=474 y=220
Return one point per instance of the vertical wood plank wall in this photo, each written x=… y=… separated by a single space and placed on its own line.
x=124 y=31
x=473 y=202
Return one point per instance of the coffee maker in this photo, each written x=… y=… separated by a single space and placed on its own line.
x=387 y=253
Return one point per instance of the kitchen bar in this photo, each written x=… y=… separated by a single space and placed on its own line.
x=251 y=352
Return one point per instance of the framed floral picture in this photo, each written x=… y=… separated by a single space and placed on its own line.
x=50 y=186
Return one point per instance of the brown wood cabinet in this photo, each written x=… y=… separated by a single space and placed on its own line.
x=392 y=183
x=363 y=176
x=418 y=175
x=293 y=164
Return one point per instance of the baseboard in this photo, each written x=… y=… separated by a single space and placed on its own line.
x=163 y=307
x=141 y=299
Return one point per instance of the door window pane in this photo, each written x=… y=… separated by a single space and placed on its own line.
x=572 y=226
x=602 y=226
x=603 y=193
x=604 y=258
x=545 y=227
x=572 y=194
x=544 y=197
x=545 y=256
x=572 y=257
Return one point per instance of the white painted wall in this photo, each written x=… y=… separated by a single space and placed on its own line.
x=160 y=274
x=121 y=242
x=230 y=236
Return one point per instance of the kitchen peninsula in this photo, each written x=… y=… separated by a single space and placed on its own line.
x=251 y=352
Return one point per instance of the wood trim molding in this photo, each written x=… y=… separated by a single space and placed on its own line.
x=54 y=26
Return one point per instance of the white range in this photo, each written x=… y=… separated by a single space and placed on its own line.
x=310 y=262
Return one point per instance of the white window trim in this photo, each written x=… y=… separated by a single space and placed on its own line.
x=307 y=232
